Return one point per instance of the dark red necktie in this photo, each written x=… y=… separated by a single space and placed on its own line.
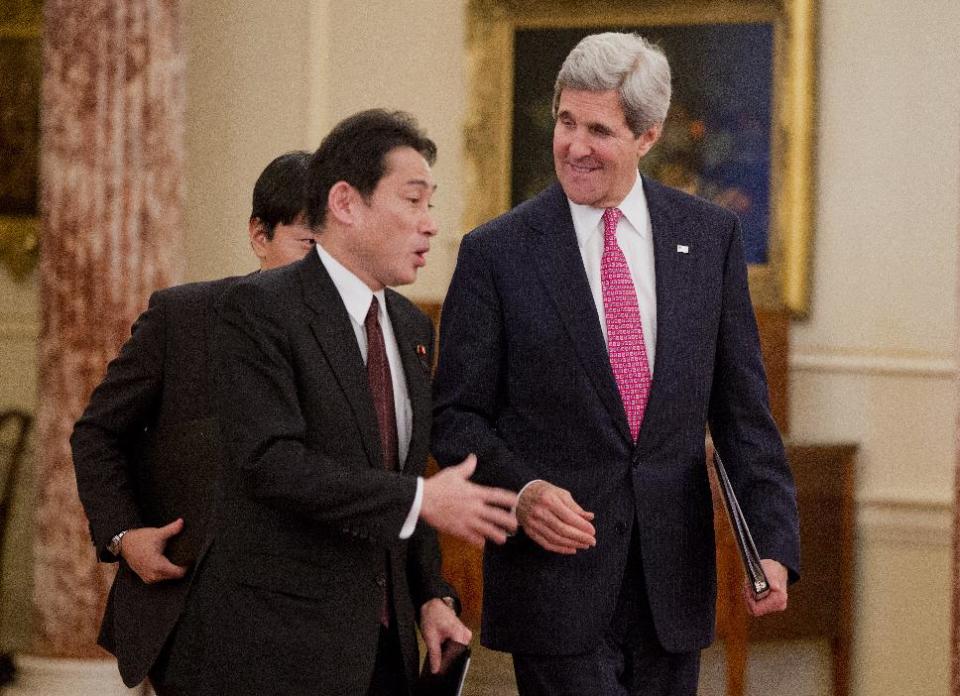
x=381 y=386
x=381 y=389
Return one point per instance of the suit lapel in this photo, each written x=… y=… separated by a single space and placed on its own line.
x=334 y=332
x=560 y=266
x=670 y=277
x=416 y=369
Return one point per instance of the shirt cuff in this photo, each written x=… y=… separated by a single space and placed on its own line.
x=513 y=511
x=410 y=524
x=525 y=487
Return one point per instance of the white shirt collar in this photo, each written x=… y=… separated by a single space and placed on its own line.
x=586 y=219
x=356 y=294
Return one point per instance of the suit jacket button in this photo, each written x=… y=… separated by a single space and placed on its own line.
x=381 y=581
x=622 y=527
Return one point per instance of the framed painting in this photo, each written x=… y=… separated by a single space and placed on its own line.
x=20 y=76
x=739 y=132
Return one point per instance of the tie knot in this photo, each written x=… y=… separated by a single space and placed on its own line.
x=373 y=313
x=611 y=216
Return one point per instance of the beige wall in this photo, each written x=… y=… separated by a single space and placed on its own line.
x=874 y=363
x=248 y=95
x=268 y=77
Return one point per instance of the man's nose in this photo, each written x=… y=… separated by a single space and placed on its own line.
x=429 y=225
x=579 y=145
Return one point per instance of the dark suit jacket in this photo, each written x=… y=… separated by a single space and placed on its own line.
x=293 y=588
x=524 y=380
x=158 y=386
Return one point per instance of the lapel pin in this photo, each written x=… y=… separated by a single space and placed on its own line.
x=423 y=357
x=683 y=249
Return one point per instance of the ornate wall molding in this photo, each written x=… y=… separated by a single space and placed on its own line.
x=904 y=521
x=873 y=363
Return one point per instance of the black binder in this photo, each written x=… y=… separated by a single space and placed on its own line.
x=741 y=532
x=454 y=662
x=179 y=470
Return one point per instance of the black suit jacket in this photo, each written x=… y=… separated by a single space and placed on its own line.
x=524 y=380
x=293 y=589
x=158 y=386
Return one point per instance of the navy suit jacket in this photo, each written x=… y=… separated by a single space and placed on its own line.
x=524 y=380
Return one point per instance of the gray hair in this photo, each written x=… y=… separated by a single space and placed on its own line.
x=628 y=63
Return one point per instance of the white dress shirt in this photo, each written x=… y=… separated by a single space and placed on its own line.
x=635 y=237
x=357 y=296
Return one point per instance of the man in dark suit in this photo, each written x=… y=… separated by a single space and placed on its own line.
x=589 y=336
x=158 y=393
x=323 y=562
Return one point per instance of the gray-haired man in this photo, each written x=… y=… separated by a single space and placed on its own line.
x=589 y=336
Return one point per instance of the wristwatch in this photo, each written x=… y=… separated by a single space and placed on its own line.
x=114 y=545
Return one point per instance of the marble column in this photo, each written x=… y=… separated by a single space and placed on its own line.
x=111 y=219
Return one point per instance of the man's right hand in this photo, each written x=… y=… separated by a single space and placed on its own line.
x=469 y=511
x=142 y=549
x=551 y=517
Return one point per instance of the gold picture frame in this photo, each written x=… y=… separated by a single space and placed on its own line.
x=20 y=77
x=782 y=279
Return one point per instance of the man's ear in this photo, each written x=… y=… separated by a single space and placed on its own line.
x=341 y=202
x=648 y=139
x=258 y=238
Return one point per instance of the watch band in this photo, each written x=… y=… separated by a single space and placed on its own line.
x=115 y=543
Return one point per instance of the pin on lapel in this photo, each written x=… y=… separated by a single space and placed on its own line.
x=683 y=249
x=422 y=355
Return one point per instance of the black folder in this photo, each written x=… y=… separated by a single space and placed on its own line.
x=454 y=662
x=741 y=532
x=179 y=469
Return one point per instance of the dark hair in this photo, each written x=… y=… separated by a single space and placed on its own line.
x=278 y=195
x=355 y=151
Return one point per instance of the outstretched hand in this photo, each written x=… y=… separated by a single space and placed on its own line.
x=142 y=549
x=469 y=511
x=551 y=517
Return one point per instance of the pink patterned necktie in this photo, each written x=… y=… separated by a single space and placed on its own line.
x=628 y=353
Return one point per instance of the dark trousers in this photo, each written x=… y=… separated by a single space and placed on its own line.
x=628 y=662
x=389 y=677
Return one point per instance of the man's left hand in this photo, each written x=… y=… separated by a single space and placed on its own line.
x=438 y=623
x=776 y=599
